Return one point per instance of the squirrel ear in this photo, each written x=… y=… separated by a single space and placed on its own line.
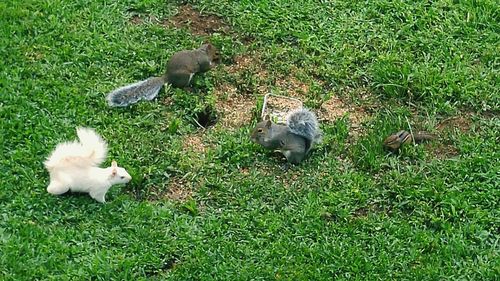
x=268 y=124
x=114 y=164
x=114 y=172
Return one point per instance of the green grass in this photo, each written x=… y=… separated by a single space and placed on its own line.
x=349 y=212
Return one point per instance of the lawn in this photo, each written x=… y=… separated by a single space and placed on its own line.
x=206 y=203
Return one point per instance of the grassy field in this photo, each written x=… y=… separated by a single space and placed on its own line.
x=207 y=204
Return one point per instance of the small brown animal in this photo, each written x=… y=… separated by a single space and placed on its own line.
x=395 y=141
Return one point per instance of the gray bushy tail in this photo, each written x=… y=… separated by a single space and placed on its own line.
x=144 y=90
x=304 y=123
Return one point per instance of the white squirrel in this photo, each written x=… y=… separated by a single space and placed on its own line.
x=74 y=166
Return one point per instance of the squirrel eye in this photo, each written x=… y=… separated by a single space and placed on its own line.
x=260 y=130
x=122 y=177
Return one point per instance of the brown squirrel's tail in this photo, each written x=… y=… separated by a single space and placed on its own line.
x=144 y=90
x=423 y=136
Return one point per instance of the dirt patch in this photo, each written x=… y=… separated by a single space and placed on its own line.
x=235 y=109
x=290 y=178
x=293 y=86
x=278 y=108
x=166 y=98
x=462 y=123
x=244 y=171
x=442 y=150
x=263 y=169
x=247 y=64
x=34 y=56
x=241 y=62
x=178 y=190
x=194 y=143
x=251 y=78
x=362 y=212
x=139 y=18
x=135 y=19
x=332 y=109
x=248 y=74
x=197 y=23
x=335 y=108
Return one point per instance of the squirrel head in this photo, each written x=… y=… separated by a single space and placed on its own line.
x=118 y=174
x=394 y=141
x=261 y=131
x=210 y=50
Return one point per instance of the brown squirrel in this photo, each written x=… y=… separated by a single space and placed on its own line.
x=294 y=140
x=180 y=70
x=395 y=141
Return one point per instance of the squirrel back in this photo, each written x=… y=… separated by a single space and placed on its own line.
x=180 y=69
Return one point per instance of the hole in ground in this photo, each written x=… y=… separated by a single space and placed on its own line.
x=206 y=118
x=166 y=263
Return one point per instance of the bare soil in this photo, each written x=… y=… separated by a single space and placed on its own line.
x=194 y=142
x=235 y=109
x=197 y=23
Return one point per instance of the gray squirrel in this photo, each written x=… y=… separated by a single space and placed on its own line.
x=295 y=139
x=180 y=70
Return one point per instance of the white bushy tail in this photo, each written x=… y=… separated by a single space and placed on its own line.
x=90 y=151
